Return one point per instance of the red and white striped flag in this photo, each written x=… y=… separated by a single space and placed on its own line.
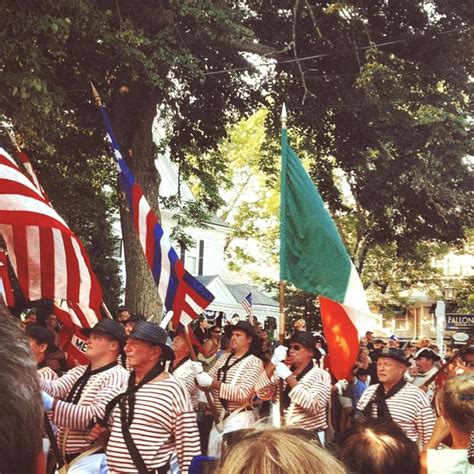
x=73 y=317
x=49 y=260
x=6 y=292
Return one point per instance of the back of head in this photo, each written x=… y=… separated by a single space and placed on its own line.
x=458 y=398
x=277 y=451
x=21 y=411
x=378 y=447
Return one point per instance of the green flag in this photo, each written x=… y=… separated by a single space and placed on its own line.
x=312 y=255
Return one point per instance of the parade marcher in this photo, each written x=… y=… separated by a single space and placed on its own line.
x=394 y=341
x=41 y=343
x=393 y=398
x=122 y=314
x=369 y=337
x=154 y=418
x=82 y=394
x=232 y=381
x=306 y=387
x=56 y=360
x=424 y=370
x=131 y=322
x=184 y=369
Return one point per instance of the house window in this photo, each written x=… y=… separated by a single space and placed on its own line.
x=201 y=257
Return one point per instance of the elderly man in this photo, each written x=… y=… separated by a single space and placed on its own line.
x=41 y=342
x=232 y=380
x=154 y=418
x=306 y=387
x=423 y=370
x=393 y=398
x=82 y=394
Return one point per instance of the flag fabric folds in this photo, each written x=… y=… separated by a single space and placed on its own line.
x=6 y=292
x=247 y=304
x=73 y=317
x=179 y=290
x=48 y=259
x=314 y=258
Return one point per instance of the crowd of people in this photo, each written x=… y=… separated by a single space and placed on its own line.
x=228 y=399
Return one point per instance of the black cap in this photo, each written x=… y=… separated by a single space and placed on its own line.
x=428 y=354
x=108 y=326
x=393 y=353
x=42 y=336
x=134 y=318
x=306 y=339
x=154 y=334
x=241 y=326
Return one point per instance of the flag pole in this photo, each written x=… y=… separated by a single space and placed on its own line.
x=281 y=299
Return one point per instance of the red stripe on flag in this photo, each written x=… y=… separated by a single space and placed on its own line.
x=21 y=249
x=342 y=338
x=136 y=196
x=150 y=239
x=46 y=242
x=13 y=187
x=73 y=275
x=5 y=279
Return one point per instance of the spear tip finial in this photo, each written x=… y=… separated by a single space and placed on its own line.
x=284 y=116
x=95 y=94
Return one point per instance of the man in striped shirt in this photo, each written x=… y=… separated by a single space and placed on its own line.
x=393 y=398
x=41 y=342
x=306 y=387
x=232 y=380
x=154 y=418
x=81 y=395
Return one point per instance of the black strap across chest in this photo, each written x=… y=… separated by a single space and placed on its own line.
x=75 y=393
x=222 y=372
x=380 y=399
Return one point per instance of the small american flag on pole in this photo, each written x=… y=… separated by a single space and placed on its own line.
x=247 y=304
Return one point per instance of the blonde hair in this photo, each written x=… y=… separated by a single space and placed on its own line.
x=277 y=451
x=299 y=323
x=458 y=402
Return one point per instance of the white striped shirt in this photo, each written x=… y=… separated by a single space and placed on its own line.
x=241 y=392
x=309 y=398
x=185 y=374
x=164 y=422
x=46 y=373
x=99 y=390
x=409 y=408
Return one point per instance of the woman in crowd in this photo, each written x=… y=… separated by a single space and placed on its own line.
x=457 y=420
x=277 y=451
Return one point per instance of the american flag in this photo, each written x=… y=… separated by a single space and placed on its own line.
x=48 y=259
x=179 y=290
x=6 y=292
x=73 y=317
x=247 y=304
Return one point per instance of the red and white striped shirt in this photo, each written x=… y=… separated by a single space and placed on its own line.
x=239 y=387
x=47 y=373
x=309 y=398
x=164 y=422
x=409 y=408
x=99 y=390
x=185 y=374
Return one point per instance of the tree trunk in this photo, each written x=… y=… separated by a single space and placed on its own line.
x=133 y=111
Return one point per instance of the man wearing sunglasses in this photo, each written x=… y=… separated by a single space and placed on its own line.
x=306 y=387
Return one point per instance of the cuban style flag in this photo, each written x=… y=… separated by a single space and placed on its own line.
x=314 y=258
x=179 y=290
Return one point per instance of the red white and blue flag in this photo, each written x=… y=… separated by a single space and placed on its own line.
x=247 y=304
x=47 y=257
x=6 y=292
x=179 y=290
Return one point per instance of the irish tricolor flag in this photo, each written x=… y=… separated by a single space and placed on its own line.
x=314 y=258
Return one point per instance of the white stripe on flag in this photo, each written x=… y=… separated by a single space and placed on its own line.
x=60 y=266
x=34 y=261
x=143 y=210
x=84 y=275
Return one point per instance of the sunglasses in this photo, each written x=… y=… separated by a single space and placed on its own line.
x=295 y=347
